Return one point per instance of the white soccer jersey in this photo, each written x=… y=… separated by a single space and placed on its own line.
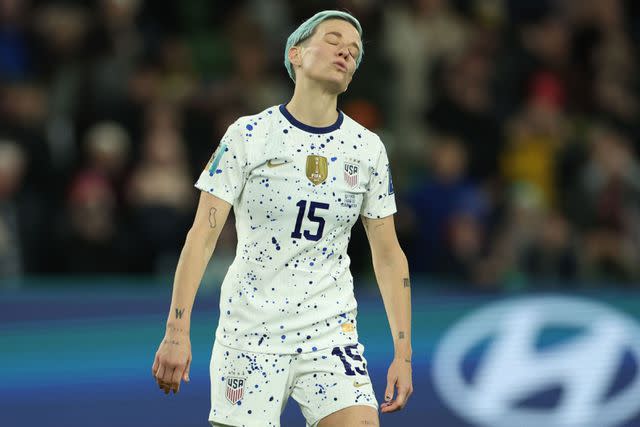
x=296 y=191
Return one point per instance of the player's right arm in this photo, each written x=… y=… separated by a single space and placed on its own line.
x=173 y=358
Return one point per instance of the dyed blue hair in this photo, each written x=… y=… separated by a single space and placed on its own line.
x=308 y=27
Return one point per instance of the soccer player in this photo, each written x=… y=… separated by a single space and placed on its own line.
x=298 y=176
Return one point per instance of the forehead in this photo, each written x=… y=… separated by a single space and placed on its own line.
x=346 y=29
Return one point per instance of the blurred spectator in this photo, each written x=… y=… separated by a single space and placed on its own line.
x=107 y=156
x=252 y=82
x=416 y=34
x=161 y=193
x=16 y=54
x=551 y=255
x=606 y=205
x=24 y=106
x=535 y=136
x=142 y=89
x=465 y=249
x=445 y=195
x=108 y=148
x=615 y=85
x=517 y=231
x=120 y=45
x=23 y=114
x=91 y=238
x=539 y=42
x=12 y=168
x=465 y=108
x=62 y=30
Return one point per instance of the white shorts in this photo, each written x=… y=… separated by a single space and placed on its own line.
x=251 y=389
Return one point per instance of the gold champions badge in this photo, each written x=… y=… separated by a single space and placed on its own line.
x=317 y=169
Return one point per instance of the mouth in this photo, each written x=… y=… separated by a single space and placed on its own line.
x=340 y=66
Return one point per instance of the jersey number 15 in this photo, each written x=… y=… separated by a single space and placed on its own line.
x=302 y=207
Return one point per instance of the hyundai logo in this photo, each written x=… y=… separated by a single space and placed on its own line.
x=541 y=362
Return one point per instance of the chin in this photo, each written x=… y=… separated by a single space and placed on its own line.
x=337 y=85
x=333 y=81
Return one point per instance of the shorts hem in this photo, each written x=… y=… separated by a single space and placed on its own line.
x=232 y=423
x=335 y=408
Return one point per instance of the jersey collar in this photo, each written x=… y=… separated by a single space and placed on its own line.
x=311 y=129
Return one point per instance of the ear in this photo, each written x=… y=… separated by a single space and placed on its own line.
x=295 y=55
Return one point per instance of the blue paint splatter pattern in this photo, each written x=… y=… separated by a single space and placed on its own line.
x=317 y=381
x=295 y=207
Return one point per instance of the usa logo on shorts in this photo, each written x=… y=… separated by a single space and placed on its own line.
x=235 y=389
x=351 y=174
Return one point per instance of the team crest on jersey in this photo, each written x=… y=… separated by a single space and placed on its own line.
x=351 y=174
x=235 y=389
x=317 y=169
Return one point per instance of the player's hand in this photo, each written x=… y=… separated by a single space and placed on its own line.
x=172 y=361
x=399 y=383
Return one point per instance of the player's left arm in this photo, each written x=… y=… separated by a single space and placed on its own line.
x=392 y=274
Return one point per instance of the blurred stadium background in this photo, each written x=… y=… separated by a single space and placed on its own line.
x=513 y=128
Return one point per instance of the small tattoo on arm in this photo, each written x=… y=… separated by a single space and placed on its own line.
x=407 y=360
x=179 y=312
x=368 y=423
x=172 y=342
x=212 y=217
x=406 y=282
x=367 y=224
x=401 y=335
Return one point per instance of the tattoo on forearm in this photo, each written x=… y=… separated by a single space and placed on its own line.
x=174 y=329
x=406 y=282
x=212 y=217
x=367 y=223
x=407 y=360
x=368 y=423
x=401 y=335
x=179 y=312
x=172 y=342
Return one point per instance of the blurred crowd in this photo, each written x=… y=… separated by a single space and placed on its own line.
x=512 y=127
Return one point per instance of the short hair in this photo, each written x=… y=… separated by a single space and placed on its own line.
x=308 y=27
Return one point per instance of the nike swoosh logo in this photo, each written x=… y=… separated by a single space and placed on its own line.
x=273 y=164
x=357 y=384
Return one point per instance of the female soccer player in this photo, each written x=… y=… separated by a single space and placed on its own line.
x=298 y=177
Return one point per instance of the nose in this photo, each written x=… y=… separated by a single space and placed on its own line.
x=344 y=52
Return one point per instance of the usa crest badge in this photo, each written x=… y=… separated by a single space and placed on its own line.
x=235 y=389
x=317 y=169
x=351 y=174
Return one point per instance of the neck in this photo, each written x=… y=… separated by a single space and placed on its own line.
x=313 y=105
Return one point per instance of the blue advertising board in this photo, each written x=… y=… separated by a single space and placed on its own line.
x=82 y=355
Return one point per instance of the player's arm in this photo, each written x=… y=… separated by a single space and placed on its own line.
x=392 y=274
x=173 y=358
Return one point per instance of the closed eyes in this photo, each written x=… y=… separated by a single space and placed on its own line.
x=334 y=39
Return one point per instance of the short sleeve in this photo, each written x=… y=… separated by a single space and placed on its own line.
x=225 y=173
x=379 y=200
